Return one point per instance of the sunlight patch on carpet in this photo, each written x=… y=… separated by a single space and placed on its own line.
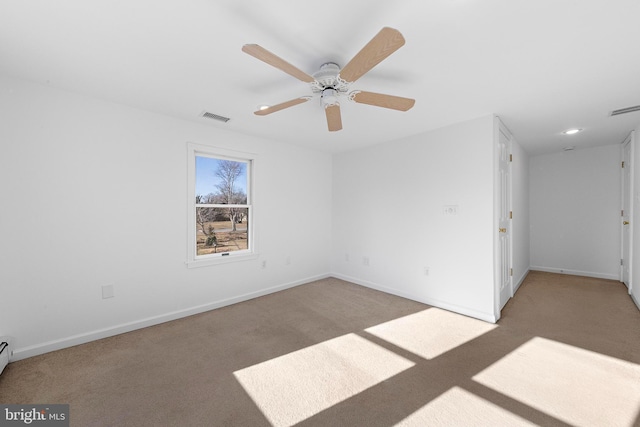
x=577 y=386
x=294 y=387
x=432 y=332
x=458 y=407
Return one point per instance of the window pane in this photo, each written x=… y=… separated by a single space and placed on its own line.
x=220 y=230
x=220 y=181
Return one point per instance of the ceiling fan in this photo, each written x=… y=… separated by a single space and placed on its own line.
x=331 y=83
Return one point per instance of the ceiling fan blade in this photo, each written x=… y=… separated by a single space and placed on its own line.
x=264 y=55
x=281 y=106
x=387 y=41
x=382 y=100
x=334 y=119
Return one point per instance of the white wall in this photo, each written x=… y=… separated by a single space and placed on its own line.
x=388 y=203
x=575 y=212
x=94 y=193
x=520 y=222
x=635 y=284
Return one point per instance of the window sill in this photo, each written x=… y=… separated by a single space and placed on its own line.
x=205 y=262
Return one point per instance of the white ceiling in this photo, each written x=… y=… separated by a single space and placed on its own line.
x=541 y=65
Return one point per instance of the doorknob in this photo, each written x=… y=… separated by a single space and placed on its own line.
x=502 y=230
x=625 y=222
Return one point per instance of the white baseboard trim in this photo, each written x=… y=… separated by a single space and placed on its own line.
x=576 y=272
x=517 y=284
x=34 y=350
x=487 y=317
x=634 y=299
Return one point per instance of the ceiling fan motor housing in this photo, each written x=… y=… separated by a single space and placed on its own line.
x=327 y=75
x=328 y=84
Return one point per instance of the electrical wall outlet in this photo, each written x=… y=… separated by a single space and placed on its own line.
x=365 y=261
x=450 y=210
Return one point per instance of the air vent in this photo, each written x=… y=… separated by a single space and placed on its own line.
x=625 y=110
x=212 y=116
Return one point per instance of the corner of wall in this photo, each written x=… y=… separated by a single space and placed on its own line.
x=465 y=311
x=635 y=171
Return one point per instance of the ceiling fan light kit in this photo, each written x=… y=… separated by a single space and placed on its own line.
x=572 y=131
x=330 y=83
x=329 y=97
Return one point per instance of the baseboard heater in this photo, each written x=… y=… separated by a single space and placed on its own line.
x=4 y=355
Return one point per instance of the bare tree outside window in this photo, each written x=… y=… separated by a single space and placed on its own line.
x=228 y=171
x=222 y=208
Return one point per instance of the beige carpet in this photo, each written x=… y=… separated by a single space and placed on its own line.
x=331 y=353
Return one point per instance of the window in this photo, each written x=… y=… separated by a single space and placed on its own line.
x=220 y=206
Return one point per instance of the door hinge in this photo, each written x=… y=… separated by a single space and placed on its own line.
x=622 y=212
x=510 y=214
x=622 y=165
x=511 y=272
x=621 y=262
x=511 y=157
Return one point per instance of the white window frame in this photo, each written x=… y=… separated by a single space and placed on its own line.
x=193 y=259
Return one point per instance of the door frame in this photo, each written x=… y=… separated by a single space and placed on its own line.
x=627 y=194
x=498 y=128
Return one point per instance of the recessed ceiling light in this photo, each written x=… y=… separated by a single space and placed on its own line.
x=570 y=148
x=263 y=107
x=571 y=131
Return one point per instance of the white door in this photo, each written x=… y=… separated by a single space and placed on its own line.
x=504 y=217
x=625 y=262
